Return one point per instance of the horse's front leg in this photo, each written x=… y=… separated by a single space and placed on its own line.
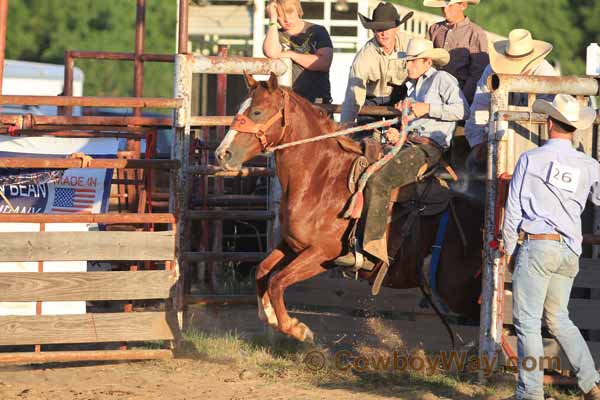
x=265 y=310
x=306 y=265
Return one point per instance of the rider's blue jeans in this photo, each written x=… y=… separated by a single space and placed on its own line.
x=542 y=282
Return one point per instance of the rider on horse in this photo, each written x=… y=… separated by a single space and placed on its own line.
x=436 y=103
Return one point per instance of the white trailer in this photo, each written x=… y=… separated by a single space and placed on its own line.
x=33 y=78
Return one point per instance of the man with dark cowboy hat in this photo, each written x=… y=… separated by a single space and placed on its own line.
x=436 y=104
x=548 y=193
x=378 y=64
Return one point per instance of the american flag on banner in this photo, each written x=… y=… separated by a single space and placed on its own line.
x=73 y=200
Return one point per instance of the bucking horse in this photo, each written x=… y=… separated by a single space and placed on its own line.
x=315 y=194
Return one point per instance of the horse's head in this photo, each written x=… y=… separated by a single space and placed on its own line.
x=259 y=124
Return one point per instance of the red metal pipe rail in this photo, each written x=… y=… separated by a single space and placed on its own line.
x=75 y=134
x=182 y=41
x=65 y=163
x=122 y=102
x=29 y=121
x=120 y=56
x=158 y=218
x=138 y=64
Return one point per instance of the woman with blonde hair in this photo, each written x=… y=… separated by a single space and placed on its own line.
x=307 y=45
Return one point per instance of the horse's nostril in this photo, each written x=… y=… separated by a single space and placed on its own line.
x=224 y=155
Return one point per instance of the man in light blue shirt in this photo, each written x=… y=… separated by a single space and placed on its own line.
x=436 y=103
x=548 y=193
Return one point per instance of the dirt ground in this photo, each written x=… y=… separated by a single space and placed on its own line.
x=232 y=358
x=176 y=379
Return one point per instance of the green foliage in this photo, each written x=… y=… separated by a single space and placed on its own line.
x=41 y=30
x=570 y=25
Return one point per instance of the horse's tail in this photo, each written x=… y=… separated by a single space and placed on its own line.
x=439 y=314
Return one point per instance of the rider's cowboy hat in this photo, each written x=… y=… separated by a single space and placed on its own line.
x=566 y=109
x=514 y=55
x=422 y=48
x=445 y=3
x=385 y=16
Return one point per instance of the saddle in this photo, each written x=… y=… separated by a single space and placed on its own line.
x=369 y=150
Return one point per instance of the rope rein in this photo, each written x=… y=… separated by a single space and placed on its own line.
x=343 y=132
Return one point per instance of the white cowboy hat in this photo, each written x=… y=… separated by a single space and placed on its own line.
x=421 y=48
x=445 y=3
x=514 y=55
x=566 y=109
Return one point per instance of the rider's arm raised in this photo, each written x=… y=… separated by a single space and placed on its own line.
x=271 y=46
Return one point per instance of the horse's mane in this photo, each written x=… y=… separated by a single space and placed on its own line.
x=311 y=110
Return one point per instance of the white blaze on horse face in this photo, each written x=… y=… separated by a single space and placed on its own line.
x=230 y=136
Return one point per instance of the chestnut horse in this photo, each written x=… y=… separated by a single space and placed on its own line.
x=313 y=179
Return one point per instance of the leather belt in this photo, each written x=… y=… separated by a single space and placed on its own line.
x=542 y=236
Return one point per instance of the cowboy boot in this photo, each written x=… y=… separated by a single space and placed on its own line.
x=349 y=260
x=593 y=394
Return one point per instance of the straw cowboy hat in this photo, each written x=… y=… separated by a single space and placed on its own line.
x=445 y=3
x=422 y=48
x=566 y=109
x=385 y=16
x=514 y=55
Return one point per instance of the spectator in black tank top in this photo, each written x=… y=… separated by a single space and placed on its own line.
x=307 y=45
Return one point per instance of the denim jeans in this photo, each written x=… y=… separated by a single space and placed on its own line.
x=542 y=282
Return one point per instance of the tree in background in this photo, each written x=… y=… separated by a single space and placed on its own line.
x=41 y=30
x=568 y=24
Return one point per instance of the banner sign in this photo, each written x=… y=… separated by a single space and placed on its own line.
x=36 y=191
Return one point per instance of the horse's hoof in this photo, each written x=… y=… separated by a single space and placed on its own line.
x=303 y=333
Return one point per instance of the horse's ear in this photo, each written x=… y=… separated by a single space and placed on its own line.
x=250 y=81
x=272 y=84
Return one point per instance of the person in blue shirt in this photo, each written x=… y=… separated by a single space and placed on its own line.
x=548 y=193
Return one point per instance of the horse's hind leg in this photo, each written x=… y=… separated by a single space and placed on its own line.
x=306 y=265
x=265 y=310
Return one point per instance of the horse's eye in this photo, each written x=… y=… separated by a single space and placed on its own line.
x=256 y=113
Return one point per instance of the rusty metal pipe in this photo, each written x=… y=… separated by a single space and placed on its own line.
x=122 y=102
x=573 y=85
x=75 y=134
x=182 y=42
x=138 y=64
x=68 y=83
x=526 y=116
x=3 y=22
x=237 y=65
x=120 y=56
x=30 y=121
x=65 y=163
x=158 y=218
